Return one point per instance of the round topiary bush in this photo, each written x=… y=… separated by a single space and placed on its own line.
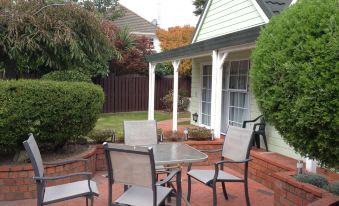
x=55 y=112
x=67 y=75
x=295 y=75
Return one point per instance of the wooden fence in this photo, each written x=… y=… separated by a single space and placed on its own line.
x=130 y=92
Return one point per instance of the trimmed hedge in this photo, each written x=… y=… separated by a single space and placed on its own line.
x=55 y=112
x=67 y=75
x=295 y=75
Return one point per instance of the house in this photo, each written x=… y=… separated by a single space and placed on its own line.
x=220 y=51
x=138 y=26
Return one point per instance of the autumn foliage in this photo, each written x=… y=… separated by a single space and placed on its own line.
x=176 y=37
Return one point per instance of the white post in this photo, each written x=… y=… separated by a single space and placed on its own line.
x=218 y=93
x=216 y=97
x=213 y=86
x=175 y=64
x=151 y=87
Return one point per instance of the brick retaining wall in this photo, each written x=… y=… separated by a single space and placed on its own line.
x=16 y=181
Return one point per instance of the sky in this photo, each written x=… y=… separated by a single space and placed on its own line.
x=171 y=12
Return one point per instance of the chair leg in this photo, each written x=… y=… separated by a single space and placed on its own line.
x=246 y=193
x=257 y=140
x=224 y=190
x=188 y=188
x=86 y=201
x=92 y=200
x=265 y=141
x=214 y=187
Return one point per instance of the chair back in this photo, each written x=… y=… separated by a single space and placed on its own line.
x=143 y=132
x=263 y=122
x=130 y=165
x=237 y=143
x=34 y=155
x=33 y=151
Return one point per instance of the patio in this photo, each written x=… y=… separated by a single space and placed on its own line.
x=201 y=195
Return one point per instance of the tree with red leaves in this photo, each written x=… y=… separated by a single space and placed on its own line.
x=130 y=50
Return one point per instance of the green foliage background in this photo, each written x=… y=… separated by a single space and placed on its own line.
x=68 y=75
x=55 y=112
x=295 y=75
x=38 y=36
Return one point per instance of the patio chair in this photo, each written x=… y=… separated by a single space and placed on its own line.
x=258 y=129
x=134 y=166
x=236 y=149
x=141 y=132
x=58 y=193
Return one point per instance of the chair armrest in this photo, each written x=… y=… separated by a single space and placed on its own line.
x=211 y=151
x=67 y=162
x=232 y=162
x=87 y=174
x=247 y=121
x=169 y=177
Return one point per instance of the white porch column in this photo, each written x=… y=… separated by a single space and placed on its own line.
x=175 y=64
x=216 y=97
x=151 y=87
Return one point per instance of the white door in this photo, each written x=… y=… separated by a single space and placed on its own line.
x=206 y=92
x=235 y=98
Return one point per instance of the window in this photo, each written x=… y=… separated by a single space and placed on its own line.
x=206 y=92
x=237 y=92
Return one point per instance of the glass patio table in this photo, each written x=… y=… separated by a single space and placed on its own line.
x=176 y=153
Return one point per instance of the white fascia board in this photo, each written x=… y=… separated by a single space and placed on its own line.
x=293 y=2
x=260 y=11
x=201 y=21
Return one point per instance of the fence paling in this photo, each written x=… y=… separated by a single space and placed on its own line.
x=130 y=93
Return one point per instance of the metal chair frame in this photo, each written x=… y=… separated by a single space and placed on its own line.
x=175 y=173
x=258 y=129
x=41 y=180
x=220 y=166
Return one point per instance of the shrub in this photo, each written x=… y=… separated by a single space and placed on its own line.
x=67 y=75
x=316 y=180
x=102 y=135
x=183 y=101
x=200 y=134
x=55 y=112
x=333 y=188
x=295 y=78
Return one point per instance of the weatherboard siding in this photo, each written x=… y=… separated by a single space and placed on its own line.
x=228 y=16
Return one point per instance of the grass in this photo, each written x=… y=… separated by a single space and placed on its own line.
x=115 y=120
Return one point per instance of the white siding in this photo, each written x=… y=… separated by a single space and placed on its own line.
x=227 y=16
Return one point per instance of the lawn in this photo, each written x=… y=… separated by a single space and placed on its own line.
x=115 y=120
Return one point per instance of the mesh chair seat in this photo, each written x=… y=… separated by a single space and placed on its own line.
x=68 y=191
x=142 y=196
x=206 y=176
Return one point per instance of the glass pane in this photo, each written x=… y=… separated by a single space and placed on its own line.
x=242 y=100
x=234 y=68
x=208 y=95
x=242 y=84
x=205 y=82
x=203 y=94
x=209 y=82
x=231 y=116
x=243 y=68
x=233 y=82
